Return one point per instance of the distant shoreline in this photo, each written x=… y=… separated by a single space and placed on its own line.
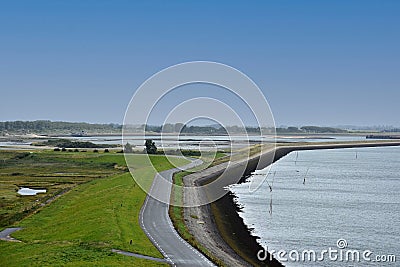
x=304 y=136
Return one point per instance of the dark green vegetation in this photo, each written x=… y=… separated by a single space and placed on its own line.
x=375 y=136
x=310 y=130
x=150 y=147
x=316 y=129
x=207 y=130
x=219 y=130
x=54 y=127
x=67 y=143
x=80 y=227
x=128 y=148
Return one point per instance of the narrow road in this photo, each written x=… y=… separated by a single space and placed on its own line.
x=157 y=225
x=5 y=234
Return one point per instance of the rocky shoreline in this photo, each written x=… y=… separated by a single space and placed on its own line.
x=222 y=231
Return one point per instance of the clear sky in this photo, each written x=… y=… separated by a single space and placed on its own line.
x=317 y=62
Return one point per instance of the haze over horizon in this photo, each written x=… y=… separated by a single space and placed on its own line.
x=318 y=63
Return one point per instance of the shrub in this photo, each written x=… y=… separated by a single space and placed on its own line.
x=150 y=147
x=128 y=148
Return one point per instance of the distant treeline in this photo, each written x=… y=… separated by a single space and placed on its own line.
x=45 y=126
x=394 y=130
x=65 y=143
x=210 y=130
x=60 y=127
x=310 y=129
x=179 y=127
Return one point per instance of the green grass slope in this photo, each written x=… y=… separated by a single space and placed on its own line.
x=81 y=227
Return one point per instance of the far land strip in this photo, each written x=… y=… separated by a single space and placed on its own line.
x=222 y=231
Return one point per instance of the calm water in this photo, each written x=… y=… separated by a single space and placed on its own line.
x=352 y=194
x=26 y=191
x=188 y=141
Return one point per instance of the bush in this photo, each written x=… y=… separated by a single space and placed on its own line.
x=128 y=148
x=95 y=151
x=72 y=144
x=56 y=149
x=106 y=150
x=150 y=147
x=63 y=149
x=22 y=155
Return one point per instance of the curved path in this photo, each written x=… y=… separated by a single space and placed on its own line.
x=157 y=225
x=5 y=234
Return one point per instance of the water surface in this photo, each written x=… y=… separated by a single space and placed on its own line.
x=26 y=191
x=321 y=196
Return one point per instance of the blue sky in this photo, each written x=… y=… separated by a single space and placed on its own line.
x=317 y=62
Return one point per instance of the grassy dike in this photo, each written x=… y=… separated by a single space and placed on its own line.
x=82 y=226
x=178 y=220
x=224 y=211
x=176 y=211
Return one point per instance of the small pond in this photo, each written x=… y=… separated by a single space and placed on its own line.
x=25 y=191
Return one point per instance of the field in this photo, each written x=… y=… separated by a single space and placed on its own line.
x=54 y=171
x=79 y=228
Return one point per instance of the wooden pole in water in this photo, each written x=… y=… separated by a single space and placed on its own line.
x=304 y=180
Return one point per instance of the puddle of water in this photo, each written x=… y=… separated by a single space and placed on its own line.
x=25 y=191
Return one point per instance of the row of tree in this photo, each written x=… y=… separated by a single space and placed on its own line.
x=46 y=126
x=210 y=129
x=150 y=147
x=66 y=143
x=310 y=129
x=54 y=127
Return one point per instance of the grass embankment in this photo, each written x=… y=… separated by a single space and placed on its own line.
x=54 y=171
x=82 y=226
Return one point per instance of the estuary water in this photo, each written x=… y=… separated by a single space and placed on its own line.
x=321 y=196
x=185 y=141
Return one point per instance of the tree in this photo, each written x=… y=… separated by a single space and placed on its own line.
x=179 y=127
x=128 y=148
x=150 y=147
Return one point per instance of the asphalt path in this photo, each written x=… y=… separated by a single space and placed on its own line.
x=5 y=234
x=157 y=225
